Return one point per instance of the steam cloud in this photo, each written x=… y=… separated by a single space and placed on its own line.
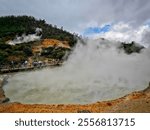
x=27 y=38
x=95 y=71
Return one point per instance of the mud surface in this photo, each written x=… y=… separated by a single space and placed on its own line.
x=134 y=102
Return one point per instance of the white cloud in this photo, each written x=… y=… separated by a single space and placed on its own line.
x=126 y=33
x=76 y=15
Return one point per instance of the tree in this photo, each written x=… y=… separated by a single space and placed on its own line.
x=27 y=51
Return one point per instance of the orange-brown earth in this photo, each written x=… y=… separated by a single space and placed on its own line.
x=39 y=46
x=134 y=102
x=50 y=43
x=53 y=42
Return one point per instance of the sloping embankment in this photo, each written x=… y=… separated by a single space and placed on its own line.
x=134 y=102
x=3 y=98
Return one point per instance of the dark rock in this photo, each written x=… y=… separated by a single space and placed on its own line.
x=147 y=89
x=83 y=111
x=109 y=104
x=4 y=100
x=130 y=48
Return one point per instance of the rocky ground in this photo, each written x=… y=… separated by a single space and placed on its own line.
x=3 y=98
x=134 y=102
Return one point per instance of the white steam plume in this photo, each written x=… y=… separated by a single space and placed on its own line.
x=26 y=38
x=95 y=71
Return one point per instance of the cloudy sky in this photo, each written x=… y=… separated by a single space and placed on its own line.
x=113 y=19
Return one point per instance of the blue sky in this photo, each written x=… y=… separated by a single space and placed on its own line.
x=96 y=30
x=147 y=23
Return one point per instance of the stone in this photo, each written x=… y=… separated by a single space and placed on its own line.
x=4 y=100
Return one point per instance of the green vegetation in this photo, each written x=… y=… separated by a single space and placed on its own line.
x=10 y=26
x=54 y=52
x=17 y=53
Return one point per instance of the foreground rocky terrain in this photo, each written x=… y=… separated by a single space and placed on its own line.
x=134 y=102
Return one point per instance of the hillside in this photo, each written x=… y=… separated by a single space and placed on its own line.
x=22 y=36
x=10 y=26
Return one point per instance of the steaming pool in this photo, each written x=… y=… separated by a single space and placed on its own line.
x=92 y=73
x=36 y=87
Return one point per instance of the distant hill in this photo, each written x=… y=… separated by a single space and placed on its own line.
x=10 y=26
